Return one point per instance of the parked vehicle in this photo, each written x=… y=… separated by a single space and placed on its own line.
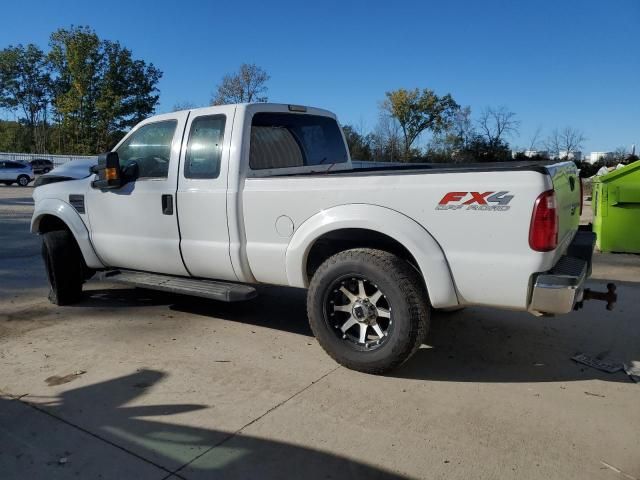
x=15 y=172
x=41 y=165
x=211 y=201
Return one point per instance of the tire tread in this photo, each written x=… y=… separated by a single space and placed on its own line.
x=409 y=281
x=64 y=263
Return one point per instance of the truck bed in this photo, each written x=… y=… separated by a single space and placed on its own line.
x=483 y=246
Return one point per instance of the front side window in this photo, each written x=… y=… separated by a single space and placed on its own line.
x=281 y=140
x=204 y=149
x=150 y=148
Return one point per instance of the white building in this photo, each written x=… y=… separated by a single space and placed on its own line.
x=595 y=156
x=575 y=155
x=536 y=153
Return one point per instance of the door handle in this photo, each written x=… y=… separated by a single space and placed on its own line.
x=167 y=204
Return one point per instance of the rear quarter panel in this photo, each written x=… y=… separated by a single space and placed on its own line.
x=487 y=251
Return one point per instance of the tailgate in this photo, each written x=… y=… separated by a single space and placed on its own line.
x=566 y=184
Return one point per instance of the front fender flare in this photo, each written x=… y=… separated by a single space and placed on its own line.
x=409 y=233
x=71 y=218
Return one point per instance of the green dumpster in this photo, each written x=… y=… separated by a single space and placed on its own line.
x=616 y=210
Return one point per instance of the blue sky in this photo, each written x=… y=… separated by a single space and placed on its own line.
x=554 y=63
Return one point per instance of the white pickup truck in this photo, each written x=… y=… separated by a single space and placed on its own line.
x=212 y=201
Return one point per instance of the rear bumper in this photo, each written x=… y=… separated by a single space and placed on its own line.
x=558 y=290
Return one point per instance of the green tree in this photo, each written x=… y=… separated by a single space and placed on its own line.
x=127 y=93
x=417 y=111
x=448 y=145
x=99 y=89
x=75 y=58
x=25 y=87
x=359 y=144
x=479 y=149
x=245 y=86
x=14 y=137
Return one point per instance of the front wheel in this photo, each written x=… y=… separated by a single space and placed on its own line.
x=64 y=263
x=23 y=180
x=368 y=309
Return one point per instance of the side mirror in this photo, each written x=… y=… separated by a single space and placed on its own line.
x=108 y=170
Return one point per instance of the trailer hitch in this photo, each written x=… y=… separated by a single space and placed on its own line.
x=609 y=296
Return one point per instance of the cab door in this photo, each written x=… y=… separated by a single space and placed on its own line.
x=202 y=193
x=136 y=226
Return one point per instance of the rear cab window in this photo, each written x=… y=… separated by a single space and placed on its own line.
x=294 y=141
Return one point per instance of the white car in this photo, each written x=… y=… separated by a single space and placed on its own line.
x=212 y=201
x=15 y=172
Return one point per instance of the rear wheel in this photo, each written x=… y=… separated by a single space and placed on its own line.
x=23 y=180
x=368 y=309
x=64 y=263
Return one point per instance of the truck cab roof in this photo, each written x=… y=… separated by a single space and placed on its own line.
x=267 y=106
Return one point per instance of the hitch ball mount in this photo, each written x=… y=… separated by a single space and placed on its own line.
x=609 y=296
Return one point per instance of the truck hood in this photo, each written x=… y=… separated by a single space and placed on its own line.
x=72 y=170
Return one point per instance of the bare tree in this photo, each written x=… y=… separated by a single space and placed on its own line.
x=184 y=105
x=496 y=124
x=619 y=155
x=386 y=139
x=534 y=141
x=562 y=143
x=462 y=128
x=247 y=85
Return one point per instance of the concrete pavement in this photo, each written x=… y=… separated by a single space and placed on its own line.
x=133 y=383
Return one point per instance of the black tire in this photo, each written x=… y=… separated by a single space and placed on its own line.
x=401 y=287
x=64 y=263
x=23 y=180
x=46 y=170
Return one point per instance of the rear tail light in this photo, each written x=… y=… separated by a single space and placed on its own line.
x=543 y=232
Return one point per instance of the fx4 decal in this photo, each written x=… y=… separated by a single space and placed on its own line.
x=488 y=201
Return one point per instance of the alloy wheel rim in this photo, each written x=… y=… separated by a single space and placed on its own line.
x=358 y=312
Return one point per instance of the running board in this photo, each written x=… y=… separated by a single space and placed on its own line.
x=222 y=291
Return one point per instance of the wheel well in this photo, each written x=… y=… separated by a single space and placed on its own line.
x=50 y=223
x=345 y=239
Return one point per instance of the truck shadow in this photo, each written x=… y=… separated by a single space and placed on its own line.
x=472 y=345
x=278 y=308
x=102 y=410
x=485 y=345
